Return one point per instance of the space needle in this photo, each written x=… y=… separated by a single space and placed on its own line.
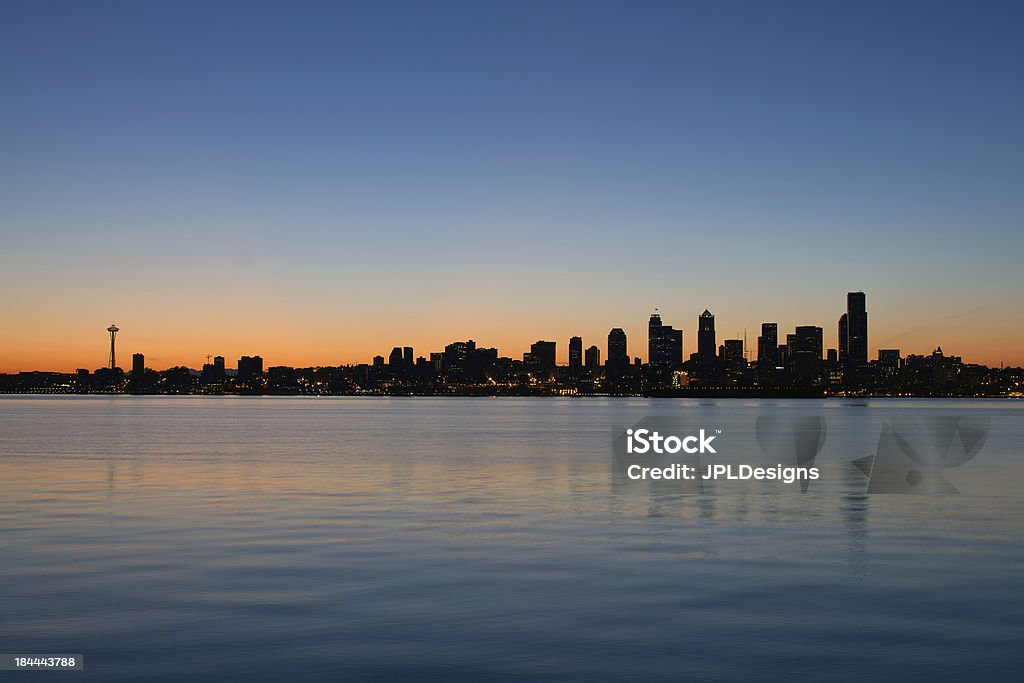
x=113 y=333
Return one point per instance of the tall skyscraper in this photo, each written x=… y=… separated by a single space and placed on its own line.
x=618 y=357
x=654 y=338
x=664 y=349
x=138 y=365
x=844 y=337
x=593 y=358
x=768 y=345
x=407 y=359
x=617 y=352
x=457 y=360
x=395 y=358
x=857 y=322
x=707 y=346
x=575 y=355
x=805 y=348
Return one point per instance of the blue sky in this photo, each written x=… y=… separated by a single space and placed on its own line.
x=395 y=172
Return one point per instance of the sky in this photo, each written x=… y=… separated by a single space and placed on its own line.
x=319 y=182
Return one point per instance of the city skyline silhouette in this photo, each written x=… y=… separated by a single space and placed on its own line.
x=796 y=363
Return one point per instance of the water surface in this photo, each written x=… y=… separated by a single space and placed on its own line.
x=235 y=538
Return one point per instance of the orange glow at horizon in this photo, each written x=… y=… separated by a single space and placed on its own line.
x=63 y=344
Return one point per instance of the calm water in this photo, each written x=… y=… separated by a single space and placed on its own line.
x=356 y=539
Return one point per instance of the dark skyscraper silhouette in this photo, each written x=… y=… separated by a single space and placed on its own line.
x=407 y=357
x=617 y=352
x=664 y=349
x=575 y=356
x=395 y=359
x=593 y=358
x=138 y=365
x=857 y=323
x=707 y=346
x=543 y=353
x=768 y=345
x=250 y=366
x=805 y=348
x=844 y=337
x=654 y=340
x=618 y=357
x=732 y=353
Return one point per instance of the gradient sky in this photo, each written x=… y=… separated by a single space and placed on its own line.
x=319 y=182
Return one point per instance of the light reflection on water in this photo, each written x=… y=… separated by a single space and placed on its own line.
x=270 y=538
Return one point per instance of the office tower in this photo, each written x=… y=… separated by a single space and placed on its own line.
x=664 y=349
x=732 y=353
x=455 y=360
x=378 y=361
x=768 y=345
x=832 y=356
x=113 y=330
x=617 y=347
x=437 y=360
x=618 y=357
x=654 y=342
x=857 y=326
x=250 y=366
x=543 y=353
x=707 y=345
x=593 y=358
x=138 y=365
x=844 y=337
x=214 y=371
x=675 y=346
x=804 y=350
x=407 y=357
x=395 y=359
x=575 y=356
x=889 y=358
